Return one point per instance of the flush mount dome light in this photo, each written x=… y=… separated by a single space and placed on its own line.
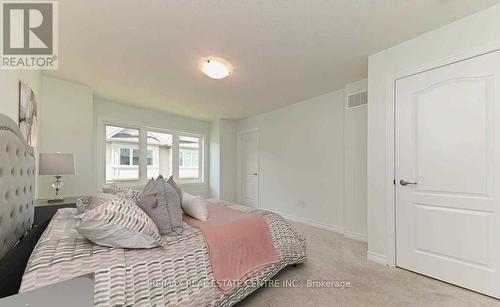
x=215 y=68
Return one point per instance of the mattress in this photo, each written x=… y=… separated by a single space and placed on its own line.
x=177 y=274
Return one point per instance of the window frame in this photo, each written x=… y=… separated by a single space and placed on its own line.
x=100 y=136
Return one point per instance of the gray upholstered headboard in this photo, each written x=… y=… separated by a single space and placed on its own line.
x=17 y=184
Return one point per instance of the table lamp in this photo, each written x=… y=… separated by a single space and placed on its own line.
x=57 y=164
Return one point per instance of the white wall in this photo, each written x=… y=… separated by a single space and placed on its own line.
x=301 y=159
x=228 y=167
x=355 y=142
x=462 y=36
x=223 y=160
x=117 y=112
x=66 y=125
x=9 y=96
x=215 y=159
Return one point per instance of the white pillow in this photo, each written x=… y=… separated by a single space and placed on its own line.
x=195 y=206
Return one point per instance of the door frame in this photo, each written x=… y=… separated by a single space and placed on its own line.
x=390 y=146
x=239 y=160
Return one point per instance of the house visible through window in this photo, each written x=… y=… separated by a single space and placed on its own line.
x=150 y=157
x=123 y=155
x=135 y=156
x=189 y=157
x=159 y=154
x=129 y=156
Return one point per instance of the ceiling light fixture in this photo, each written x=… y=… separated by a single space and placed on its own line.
x=216 y=68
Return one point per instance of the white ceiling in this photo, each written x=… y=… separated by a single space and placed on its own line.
x=146 y=53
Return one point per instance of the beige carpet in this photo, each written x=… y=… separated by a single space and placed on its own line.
x=332 y=257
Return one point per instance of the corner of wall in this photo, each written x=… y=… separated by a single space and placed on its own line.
x=66 y=125
x=214 y=178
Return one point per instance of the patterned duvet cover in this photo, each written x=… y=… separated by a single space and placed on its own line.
x=177 y=274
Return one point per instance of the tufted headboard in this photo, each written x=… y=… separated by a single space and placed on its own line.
x=17 y=184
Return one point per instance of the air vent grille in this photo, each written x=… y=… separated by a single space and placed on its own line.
x=356 y=100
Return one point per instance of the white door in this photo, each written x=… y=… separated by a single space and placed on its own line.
x=249 y=168
x=448 y=173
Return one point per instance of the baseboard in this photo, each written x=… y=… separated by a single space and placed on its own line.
x=348 y=234
x=355 y=236
x=372 y=256
x=310 y=222
x=376 y=257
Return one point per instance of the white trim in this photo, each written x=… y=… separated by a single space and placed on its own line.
x=321 y=225
x=100 y=164
x=390 y=135
x=357 y=107
x=238 y=161
x=355 y=236
x=310 y=222
x=376 y=257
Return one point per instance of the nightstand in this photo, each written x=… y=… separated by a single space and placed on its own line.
x=79 y=291
x=45 y=210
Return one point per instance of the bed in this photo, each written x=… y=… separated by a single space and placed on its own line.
x=178 y=273
x=17 y=185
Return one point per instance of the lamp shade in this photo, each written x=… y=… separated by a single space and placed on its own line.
x=56 y=164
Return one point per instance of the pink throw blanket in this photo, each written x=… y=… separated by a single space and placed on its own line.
x=238 y=243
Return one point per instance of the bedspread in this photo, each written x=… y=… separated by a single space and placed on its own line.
x=177 y=274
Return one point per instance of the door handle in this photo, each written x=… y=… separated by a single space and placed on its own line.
x=404 y=182
x=255 y=174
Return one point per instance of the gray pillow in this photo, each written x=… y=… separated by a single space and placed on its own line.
x=161 y=202
x=174 y=185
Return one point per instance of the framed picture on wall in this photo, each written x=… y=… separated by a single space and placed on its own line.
x=27 y=112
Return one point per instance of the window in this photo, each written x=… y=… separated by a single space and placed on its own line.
x=150 y=157
x=122 y=154
x=159 y=154
x=128 y=156
x=133 y=155
x=189 y=157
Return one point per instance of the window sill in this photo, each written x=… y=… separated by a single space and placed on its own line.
x=191 y=183
x=137 y=185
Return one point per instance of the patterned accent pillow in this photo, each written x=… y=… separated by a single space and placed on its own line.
x=88 y=203
x=127 y=193
x=120 y=223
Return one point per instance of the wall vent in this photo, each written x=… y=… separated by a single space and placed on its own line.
x=356 y=100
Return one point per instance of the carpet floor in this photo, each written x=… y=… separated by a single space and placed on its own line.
x=331 y=257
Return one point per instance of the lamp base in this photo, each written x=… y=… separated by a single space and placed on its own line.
x=57 y=185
